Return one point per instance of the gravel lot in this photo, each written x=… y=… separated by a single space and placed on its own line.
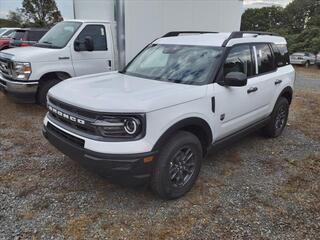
x=256 y=189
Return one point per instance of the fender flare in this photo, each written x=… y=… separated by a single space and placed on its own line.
x=287 y=92
x=193 y=125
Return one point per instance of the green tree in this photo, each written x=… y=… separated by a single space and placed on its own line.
x=262 y=19
x=16 y=18
x=299 y=22
x=41 y=12
x=300 y=13
x=37 y=13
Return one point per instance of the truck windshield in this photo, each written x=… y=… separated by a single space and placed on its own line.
x=175 y=63
x=59 y=35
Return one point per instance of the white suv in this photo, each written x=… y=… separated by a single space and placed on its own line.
x=179 y=97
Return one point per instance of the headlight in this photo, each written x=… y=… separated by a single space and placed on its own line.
x=21 y=70
x=121 y=126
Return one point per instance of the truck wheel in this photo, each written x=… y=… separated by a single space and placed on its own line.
x=178 y=166
x=43 y=90
x=279 y=118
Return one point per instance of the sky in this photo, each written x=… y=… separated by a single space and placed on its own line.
x=66 y=6
x=264 y=3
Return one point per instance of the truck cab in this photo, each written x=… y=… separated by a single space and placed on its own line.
x=70 y=49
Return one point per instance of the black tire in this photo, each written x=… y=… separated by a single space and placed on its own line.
x=307 y=64
x=44 y=87
x=169 y=164
x=279 y=118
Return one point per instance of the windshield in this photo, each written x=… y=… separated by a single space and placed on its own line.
x=59 y=35
x=175 y=63
x=2 y=30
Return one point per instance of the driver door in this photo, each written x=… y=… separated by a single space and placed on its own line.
x=96 y=61
x=236 y=106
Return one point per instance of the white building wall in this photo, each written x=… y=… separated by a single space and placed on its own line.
x=146 y=20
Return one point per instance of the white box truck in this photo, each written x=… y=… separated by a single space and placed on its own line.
x=123 y=27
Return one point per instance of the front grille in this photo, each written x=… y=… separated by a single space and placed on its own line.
x=61 y=110
x=73 y=109
x=6 y=67
x=77 y=141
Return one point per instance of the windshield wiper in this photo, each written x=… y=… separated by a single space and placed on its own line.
x=47 y=42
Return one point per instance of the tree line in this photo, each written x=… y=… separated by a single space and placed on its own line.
x=299 y=22
x=34 y=13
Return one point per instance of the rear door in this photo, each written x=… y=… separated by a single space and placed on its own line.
x=96 y=61
x=265 y=79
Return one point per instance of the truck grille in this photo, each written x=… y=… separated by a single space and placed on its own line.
x=6 y=67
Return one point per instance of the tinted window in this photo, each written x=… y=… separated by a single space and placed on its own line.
x=281 y=54
x=265 y=58
x=19 y=35
x=98 y=35
x=239 y=60
x=35 y=35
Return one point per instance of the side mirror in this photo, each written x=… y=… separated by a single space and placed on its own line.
x=76 y=45
x=88 y=43
x=235 y=79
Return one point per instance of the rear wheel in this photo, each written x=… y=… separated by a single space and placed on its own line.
x=307 y=64
x=177 y=166
x=44 y=87
x=279 y=118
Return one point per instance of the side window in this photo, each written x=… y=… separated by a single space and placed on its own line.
x=265 y=58
x=281 y=54
x=98 y=35
x=239 y=60
x=35 y=35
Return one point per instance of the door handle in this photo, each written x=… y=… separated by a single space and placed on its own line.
x=277 y=82
x=252 y=89
x=109 y=64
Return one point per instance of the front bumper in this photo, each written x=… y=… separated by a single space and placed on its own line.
x=124 y=168
x=297 y=62
x=19 y=91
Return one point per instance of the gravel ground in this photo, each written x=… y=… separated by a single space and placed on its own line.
x=255 y=189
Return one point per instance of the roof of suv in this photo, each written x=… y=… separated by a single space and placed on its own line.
x=219 y=39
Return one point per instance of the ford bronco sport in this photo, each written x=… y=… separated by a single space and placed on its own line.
x=183 y=95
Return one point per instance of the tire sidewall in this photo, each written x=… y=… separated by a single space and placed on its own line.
x=163 y=164
x=44 y=87
x=282 y=102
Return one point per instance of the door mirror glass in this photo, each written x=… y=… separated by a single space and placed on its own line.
x=235 y=79
x=88 y=43
x=76 y=45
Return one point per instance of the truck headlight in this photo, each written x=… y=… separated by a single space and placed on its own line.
x=121 y=126
x=21 y=70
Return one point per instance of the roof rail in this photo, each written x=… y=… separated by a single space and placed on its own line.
x=177 y=33
x=239 y=34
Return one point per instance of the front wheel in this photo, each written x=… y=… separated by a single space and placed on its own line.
x=279 y=118
x=44 y=87
x=177 y=166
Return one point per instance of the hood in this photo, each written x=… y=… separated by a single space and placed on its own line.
x=34 y=54
x=115 y=92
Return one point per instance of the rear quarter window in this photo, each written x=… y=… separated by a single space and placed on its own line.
x=281 y=53
x=265 y=58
